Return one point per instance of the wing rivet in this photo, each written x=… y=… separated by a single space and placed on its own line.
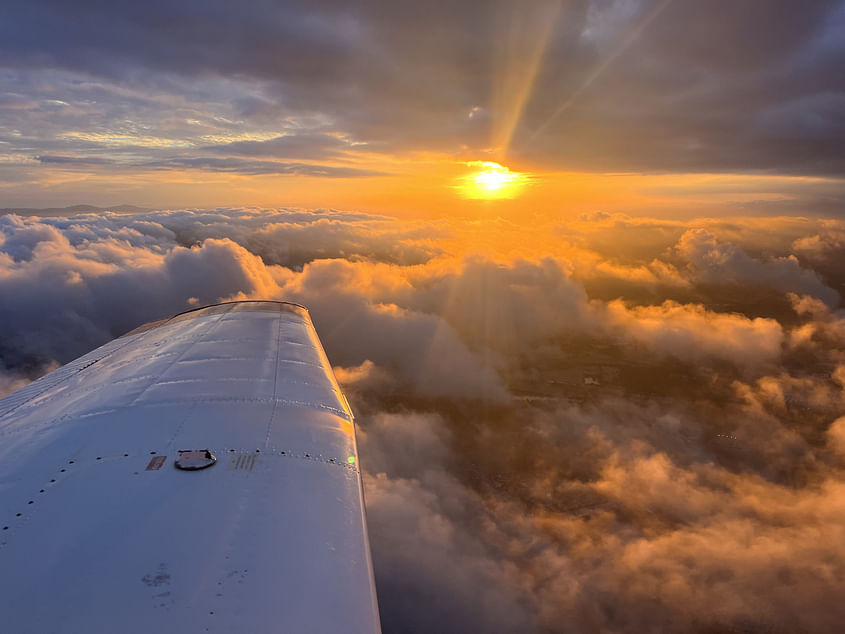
x=194 y=459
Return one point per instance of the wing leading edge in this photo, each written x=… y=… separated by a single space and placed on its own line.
x=100 y=532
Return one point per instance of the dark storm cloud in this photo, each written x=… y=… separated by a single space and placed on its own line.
x=677 y=86
x=537 y=458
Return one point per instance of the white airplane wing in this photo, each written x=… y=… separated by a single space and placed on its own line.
x=262 y=530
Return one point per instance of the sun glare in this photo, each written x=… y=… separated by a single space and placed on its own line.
x=491 y=180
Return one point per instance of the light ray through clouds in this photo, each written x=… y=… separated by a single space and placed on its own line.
x=632 y=36
x=525 y=31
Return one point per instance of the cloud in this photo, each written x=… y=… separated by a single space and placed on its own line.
x=717 y=262
x=73 y=161
x=616 y=88
x=67 y=298
x=413 y=506
x=303 y=146
x=690 y=331
x=291 y=243
x=538 y=457
x=716 y=562
x=501 y=306
x=213 y=164
x=457 y=582
x=836 y=436
x=423 y=349
x=814 y=115
x=239 y=166
x=10 y=382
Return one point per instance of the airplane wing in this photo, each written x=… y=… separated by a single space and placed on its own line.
x=262 y=529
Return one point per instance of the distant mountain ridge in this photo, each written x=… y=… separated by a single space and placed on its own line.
x=72 y=210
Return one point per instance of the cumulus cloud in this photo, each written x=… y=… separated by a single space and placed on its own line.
x=541 y=454
x=718 y=262
x=823 y=333
x=458 y=581
x=836 y=436
x=692 y=332
x=829 y=241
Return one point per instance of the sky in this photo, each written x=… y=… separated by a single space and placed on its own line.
x=578 y=267
x=650 y=106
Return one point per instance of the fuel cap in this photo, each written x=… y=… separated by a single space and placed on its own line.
x=194 y=459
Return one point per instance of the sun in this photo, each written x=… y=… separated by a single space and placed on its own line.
x=494 y=177
x=490 y=181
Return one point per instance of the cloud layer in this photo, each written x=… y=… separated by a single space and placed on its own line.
x=583 y=84
x=639 y=429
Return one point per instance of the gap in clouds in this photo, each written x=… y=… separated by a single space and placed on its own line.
x=637 y=426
